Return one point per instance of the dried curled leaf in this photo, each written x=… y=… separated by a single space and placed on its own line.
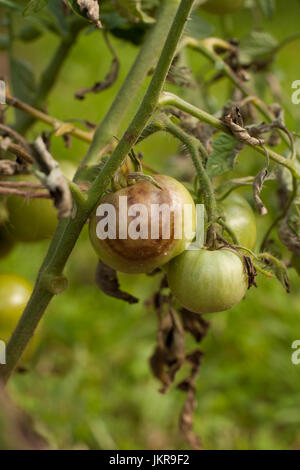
x=10 y=168
x=169 y=354
x=89 y=9
x=234 y=122
x=194 y=324
x=257 y=187
x=250 y=270
x=289 y=236
x=107 y=281
x=275 y=267
x=108 y=81
x=52 y=177
x=186 y=419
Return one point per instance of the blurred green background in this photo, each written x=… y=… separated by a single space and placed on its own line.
x=89 y=384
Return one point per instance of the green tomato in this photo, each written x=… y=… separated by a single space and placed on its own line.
x=143 y=255
x=33 y=219
x=222 y=7
x=14 y=295
x=240 y=218
x=206 y=281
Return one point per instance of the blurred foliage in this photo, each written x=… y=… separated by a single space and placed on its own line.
x=89 y=384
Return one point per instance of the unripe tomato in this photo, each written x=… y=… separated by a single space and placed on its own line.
x=142 y=255
x=240 y=218
x=14 y=295
x=222 y=7
x=206 y=281
x=33 y=219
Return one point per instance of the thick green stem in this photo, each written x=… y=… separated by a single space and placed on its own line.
x=192 y=144
x=148 y=104
x=169 y=99
x=68 y=230
x=144 y=61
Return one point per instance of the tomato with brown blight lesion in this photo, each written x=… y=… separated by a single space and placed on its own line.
x=143 y=255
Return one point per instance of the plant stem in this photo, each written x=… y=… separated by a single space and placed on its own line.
x=36 y=114
x=206 y=47
x=68 y=230
x=168 y=99
x=144 y=61
x=192 y=144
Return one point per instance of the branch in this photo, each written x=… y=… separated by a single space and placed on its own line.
x=168 y=99
x=192 y=144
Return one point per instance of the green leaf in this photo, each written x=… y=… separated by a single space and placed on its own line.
x=34 y=6
x=198 y=28
x=133 y=11
x=23 y=81
x=223 y=156
x=267 y=7
x=9 y=4
x=258 y=45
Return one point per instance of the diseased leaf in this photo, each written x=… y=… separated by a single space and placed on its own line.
x=258 y=45
x=34 y=6
x=223 y=156
x=289 y=229
x=88 y=9
x=198 y=28
x=275 y=267
x=257 y=187
x=194 y=324
x=169 y=354
x=107 y=281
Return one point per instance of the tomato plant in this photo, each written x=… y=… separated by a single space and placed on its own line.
x=216 y=101
x=142 y=255
x=207 y=281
